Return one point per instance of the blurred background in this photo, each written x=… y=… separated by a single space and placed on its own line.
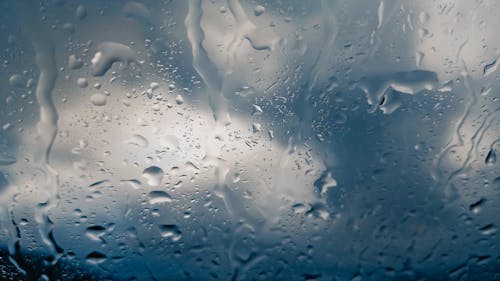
x=249 y=140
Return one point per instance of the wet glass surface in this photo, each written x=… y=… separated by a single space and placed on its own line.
x=249 y=140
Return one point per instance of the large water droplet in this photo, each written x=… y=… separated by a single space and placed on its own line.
x=153 y=175
x=158 y=196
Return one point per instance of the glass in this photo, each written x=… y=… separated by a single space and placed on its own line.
x=249 y=140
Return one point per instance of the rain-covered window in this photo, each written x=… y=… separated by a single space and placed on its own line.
x=249 y=140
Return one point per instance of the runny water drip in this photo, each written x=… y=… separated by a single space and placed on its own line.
x=109 y=53
x=46 y=130
x=203 y=65
x=378 y=88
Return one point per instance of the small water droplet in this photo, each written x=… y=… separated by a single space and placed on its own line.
x=179 y=99
x=259 y=10
x=491 y=157
x=257 y=110
x=318 y=210
x=98 y=99
x=490 y=67
x=475 y=208
x=138 y=140
x=17 y=80
x=95 y=232
x=82 y=82
x=488 y=229
x=81 y=12
x=74 y=62
x=170 y=231
x=256 y=127
x=96 y=257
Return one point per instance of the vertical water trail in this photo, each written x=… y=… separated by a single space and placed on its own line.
x=46 y=126
x=214 y=80
x=14 y=243
x=385 y=12
x=207 y=70
x=243 y=27
x=330 y=31
x=305 y=110
x=457 y=139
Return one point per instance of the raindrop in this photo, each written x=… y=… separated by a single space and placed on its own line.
x=98 y=99
x=82 y=82
x=95 y=232
x=488 y=229
x=490 y=67
x=74 y=62
x=95 y=257
x=138 y=140
x=170 y=231
x=17 y=80
x=153 y=175
x=324 y=183
x=81 y=12
x=475 y=208
x=158 y=196
x=259 y=10
x=491 y=157
x=256 y=127
x=179 y=99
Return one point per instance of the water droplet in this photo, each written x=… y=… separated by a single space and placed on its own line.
x=17 y=80
x=179 y=99
x=259 y=10
x=490 y=67
x=256 y=127
x=154 y=86
x=109 y=53
x=158 y=196
x=74 y=62
x=257 y=110
x=82 y=82
x=95 y=257
x=325 y=182
x=488 y=229
x=491 y=157
x=138 y=140
x=170 y=142
x=475 y=208
x=153 y=175
x=419 y=56
x=318 y=210
x=299 y=208
x=137 y=11
x=98 y=99
x=95 y=232
x=81 y=12
x=423 y=17
x=170 y=231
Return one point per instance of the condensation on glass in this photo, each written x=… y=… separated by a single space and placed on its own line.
x=249 y=140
